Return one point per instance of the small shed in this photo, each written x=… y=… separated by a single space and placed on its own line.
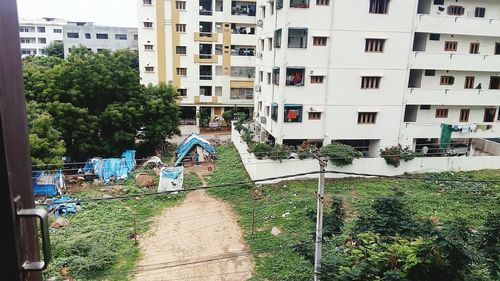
x=194 y=149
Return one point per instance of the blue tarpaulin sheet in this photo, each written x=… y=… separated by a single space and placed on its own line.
x=47 y=184
x=112 y=167
x=60 y=209
x=190 y=142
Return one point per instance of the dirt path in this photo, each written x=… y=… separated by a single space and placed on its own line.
x=199 y=239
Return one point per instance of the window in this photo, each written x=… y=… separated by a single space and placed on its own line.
x=205 y=72
x=180 y=5
x=28 y=40
x=148 y=24
x=450 y=46
x=379 y=6
x=299 y=3
x=293 y=113
x=425 y=107
x=274 y=112
x=367 y=117
x=464 y=115
x=434 y=37
x=87 y=36
x=180 y=27
x=297 y=38
x=374 y=45
x=26 y=29
x=57 y=30
x=40 y=29
x=474 y=48
x=497 y=48
x=279 y=4
x=317 y=79
x=147 y=2
x=271 y=8
x=295 y=76
x=136 y=37
x=370 y=82
x=73 y=35
x=480 y=12
x=319 y=41
x=469 y=82
x=241 y=94
x=489 y=114
x=42 y=40
x=455 y=10
x=206 y=91
x=430 y=72
x=101 y=36
x=261 y=76
x=441 y=113
x=447 y=80
x=494 y=82
x=269 y=78
x=182 y=92
x=263 y=9
x=276 y=76
x=314 y=115
x=149 y=68
x=148 y=47
x=180 y=50
x=182 y=71
x=121 y=36
x=277 y=38
x=322 y=2
x=270 y=44
x=438 y=2
x=218 y=49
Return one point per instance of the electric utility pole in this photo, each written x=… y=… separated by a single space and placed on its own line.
x=319 y=219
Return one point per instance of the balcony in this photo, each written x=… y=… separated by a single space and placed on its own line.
x=452 y=61
x=428 y=130
x=243 y=8
x=467 y=97
x=205 y=99
x=206 y=58
x=205 y=37
x=458 y=25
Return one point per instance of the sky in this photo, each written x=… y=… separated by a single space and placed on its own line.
x=102 y=12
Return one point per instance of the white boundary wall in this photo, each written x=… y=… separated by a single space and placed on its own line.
x=267 y=168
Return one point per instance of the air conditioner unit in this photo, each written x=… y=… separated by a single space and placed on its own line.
x=260 y=23
x=257 y=88
x=263 y=120
x=259 y=55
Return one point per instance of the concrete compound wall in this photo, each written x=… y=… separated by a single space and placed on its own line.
x=267 y=168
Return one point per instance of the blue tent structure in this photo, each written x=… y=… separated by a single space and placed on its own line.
x=47 y=184
x=112 y=167
x=191 y=142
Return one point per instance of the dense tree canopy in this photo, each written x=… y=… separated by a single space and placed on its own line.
x=55 y=49
x=98 y=105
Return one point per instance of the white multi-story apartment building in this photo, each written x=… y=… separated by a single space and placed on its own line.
x=37 y=34
x=98 y=38
x=377 y=73
x=205 y=48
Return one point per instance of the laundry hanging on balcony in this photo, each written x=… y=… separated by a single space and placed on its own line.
x=445 y=138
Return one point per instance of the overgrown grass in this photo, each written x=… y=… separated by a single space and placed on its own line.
x=288 y=206
x=96 y=244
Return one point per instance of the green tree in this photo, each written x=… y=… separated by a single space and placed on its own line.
x=340 y=154
x=45 y=141
x=98 y=104
x=55 y=49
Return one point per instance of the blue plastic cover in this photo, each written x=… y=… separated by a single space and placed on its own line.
x=46 y=189
x=190 y=142
x=60 y=209
x=172 y=173
x=112 y=167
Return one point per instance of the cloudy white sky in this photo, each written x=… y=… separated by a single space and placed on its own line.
x=102 y=12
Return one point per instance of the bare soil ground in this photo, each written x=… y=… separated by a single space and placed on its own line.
x=199 y=239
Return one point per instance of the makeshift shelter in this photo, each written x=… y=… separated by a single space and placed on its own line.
x=119 y=168
x=47 y=183
x=194 y=148
x=171 y=178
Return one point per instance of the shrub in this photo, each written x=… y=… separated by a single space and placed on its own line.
x=228 y=116
x=261 y=150
x=247 y=135
x=394 y=154
x=340 y=154
x=280 y=152
x=306 y=151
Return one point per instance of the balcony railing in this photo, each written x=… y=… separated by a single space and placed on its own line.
x=205 y=36
x=469 y=97
x=453 y=61
x=457 y=25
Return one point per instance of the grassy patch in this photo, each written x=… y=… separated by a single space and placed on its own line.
x=96 y=244
x=288 y=206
